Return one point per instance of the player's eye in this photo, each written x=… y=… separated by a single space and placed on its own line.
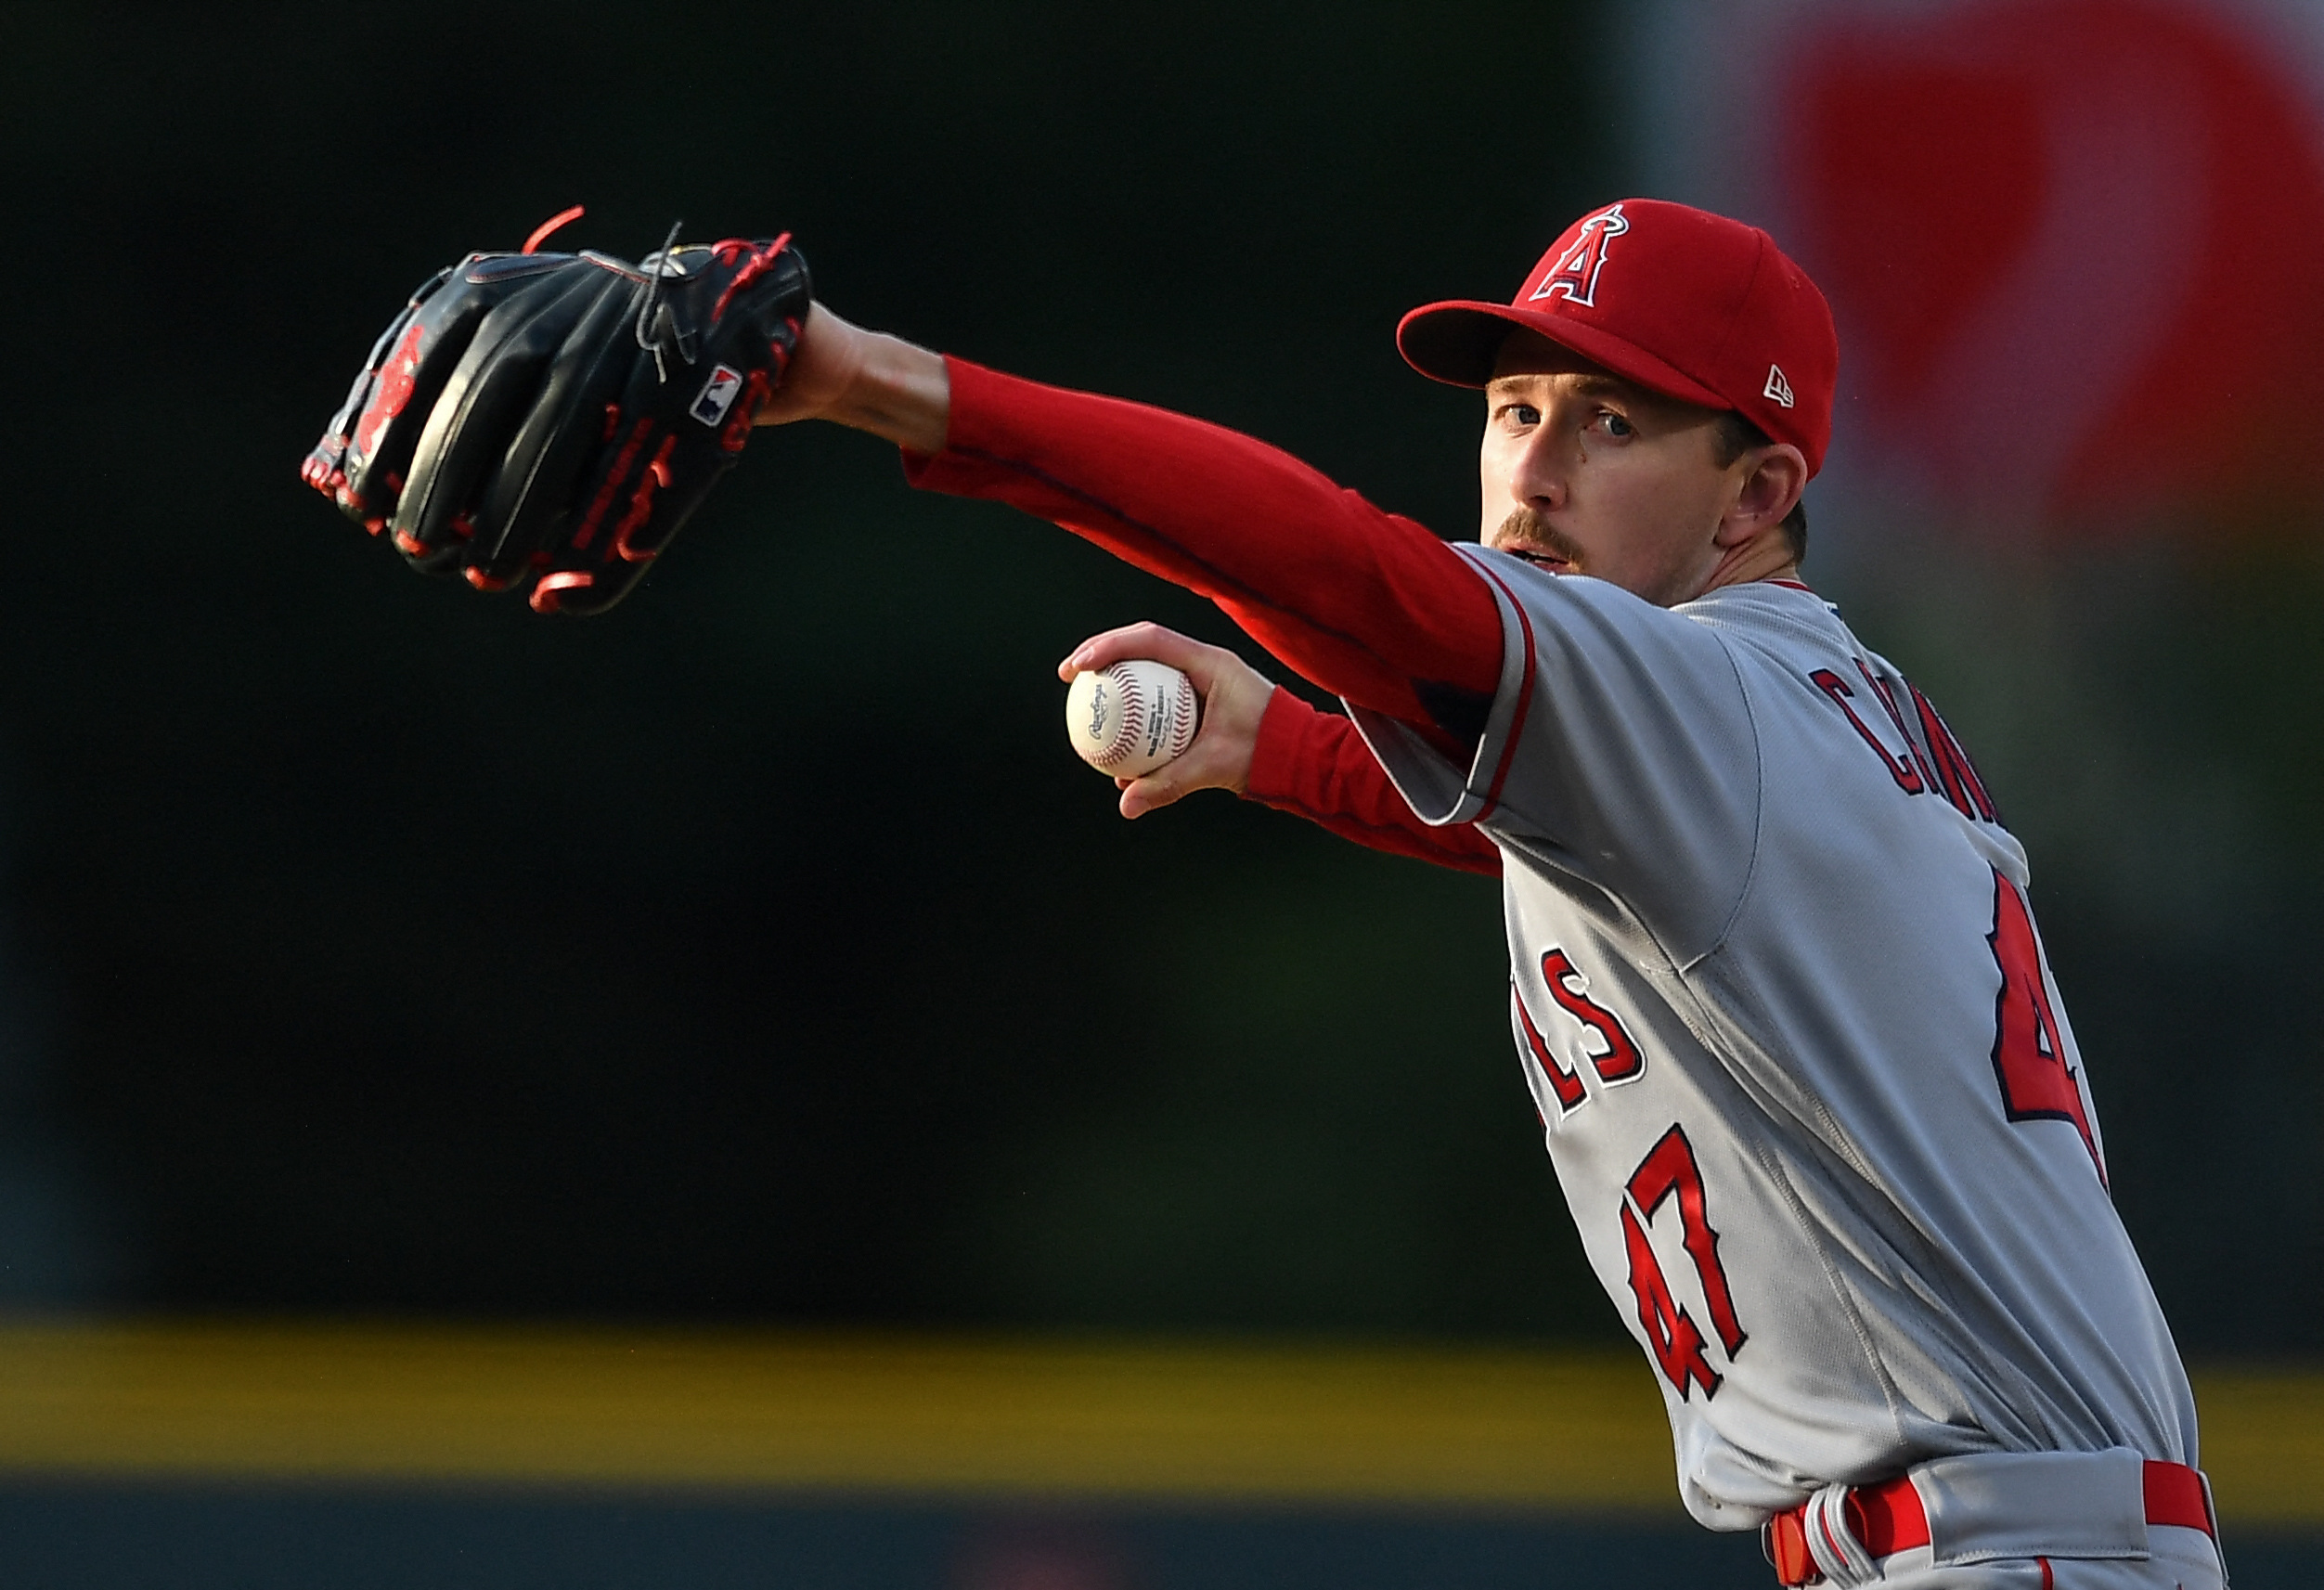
x=1518 y=416
x=1614 y=425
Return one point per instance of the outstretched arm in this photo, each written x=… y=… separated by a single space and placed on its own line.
x=1366 y=604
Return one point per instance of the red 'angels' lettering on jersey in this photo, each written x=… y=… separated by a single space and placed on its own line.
x=1617 y=1059
x=1620 y=1060
x=1955 y=772
x=1562 y=1083
x=1575 y=275
x=1670 y=1169
x=2036 y=1084
x=1907 y=775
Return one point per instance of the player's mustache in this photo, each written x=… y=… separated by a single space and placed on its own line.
x=1529 y=529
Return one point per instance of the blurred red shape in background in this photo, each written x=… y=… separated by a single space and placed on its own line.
x=2076 y=248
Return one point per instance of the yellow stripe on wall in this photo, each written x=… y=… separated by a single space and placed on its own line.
x=789 y=1411
x=1567 y=1429
x=2263 y=1435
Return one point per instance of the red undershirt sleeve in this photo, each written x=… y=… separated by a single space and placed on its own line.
x=1316 y=766
x=1367 y=605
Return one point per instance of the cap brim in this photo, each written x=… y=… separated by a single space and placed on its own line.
x=1457 y=342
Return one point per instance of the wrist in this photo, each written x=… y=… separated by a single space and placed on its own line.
x=867 y=380
x=897 y=390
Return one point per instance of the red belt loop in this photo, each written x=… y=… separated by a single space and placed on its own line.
x=1887 y=1518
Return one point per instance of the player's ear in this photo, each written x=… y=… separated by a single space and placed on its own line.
x=1768 y=482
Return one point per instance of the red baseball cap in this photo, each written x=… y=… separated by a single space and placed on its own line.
x=1684 y=303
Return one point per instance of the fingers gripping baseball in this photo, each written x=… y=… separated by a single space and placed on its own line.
x=1234 y=697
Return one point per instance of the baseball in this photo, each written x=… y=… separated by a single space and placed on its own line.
x=1131 y=719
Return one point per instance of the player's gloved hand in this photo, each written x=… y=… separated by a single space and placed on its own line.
x=562 y=414
x=1234 y=697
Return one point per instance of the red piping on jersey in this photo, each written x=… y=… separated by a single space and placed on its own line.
x=1524 y=698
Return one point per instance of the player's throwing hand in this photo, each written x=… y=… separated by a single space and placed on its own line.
x=1234 y=697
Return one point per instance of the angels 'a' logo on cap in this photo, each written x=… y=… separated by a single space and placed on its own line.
x=1575 y=274
x=1778 y=388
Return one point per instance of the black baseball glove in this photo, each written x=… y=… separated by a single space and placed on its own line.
x=560 y=415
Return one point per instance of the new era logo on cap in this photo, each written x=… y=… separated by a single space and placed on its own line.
x=1777 y=387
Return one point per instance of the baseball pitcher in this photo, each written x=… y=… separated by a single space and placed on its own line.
x=1775 y=984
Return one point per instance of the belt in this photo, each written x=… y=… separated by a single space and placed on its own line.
x=1887 y=1518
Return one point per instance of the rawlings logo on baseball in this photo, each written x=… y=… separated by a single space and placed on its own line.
x=1132 y=718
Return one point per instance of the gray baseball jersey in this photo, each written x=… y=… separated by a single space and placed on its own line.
x=1803 y=1073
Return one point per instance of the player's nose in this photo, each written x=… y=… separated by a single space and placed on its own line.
x=1541 y=474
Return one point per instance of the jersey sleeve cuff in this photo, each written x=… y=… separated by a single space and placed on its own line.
x=1439 y=790
x=978 y=405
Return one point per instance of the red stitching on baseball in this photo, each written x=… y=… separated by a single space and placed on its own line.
x=1132 y=728
x=1132 y=725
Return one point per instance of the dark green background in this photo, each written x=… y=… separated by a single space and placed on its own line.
x=376 y=946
